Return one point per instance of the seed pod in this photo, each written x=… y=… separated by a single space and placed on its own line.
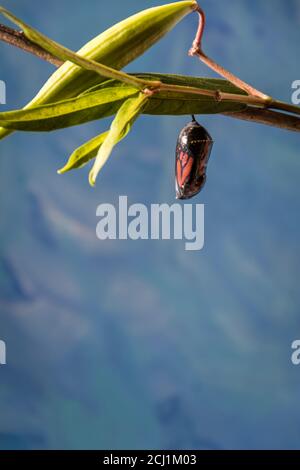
x=192 y=154
x=115 y=47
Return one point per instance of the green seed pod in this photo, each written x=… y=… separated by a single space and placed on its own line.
x=115 y=47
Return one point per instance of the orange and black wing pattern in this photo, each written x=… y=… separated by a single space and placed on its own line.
x=192 y=154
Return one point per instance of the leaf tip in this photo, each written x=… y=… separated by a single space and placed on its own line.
x=195 y=6
x=62 y=170
x=92 y=179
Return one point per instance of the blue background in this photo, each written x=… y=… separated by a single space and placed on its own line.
x=123 y=344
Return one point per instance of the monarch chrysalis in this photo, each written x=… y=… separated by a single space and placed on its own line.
x=192 y=154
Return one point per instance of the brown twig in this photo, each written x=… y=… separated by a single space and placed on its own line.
x=18 y=39
x=196 y=50
x=267 y=117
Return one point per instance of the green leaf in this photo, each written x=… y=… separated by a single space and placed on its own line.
x=166 y=103
x=96 y=105
x=116 y=47
x=173 y=104
x=84 y=153
x=215 y=84
x=185 y=105
x=120 y=127
x=161 y=104
x=105 y=99
x=62 y=52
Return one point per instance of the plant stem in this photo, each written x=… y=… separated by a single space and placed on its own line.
x=104 y=70
x=221 y=96
x=228 y=75
x=196 y=50
x=289 y=108
x=217 y=95
x=18 y=39
x=267 y=117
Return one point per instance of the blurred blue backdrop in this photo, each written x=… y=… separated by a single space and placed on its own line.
x=124 y=344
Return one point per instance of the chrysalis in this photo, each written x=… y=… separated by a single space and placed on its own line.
x=192 y=154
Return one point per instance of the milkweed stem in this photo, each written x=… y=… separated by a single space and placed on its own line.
x=196 y=50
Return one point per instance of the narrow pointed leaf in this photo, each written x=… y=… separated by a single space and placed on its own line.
x=120 y=127
x=96 y=105
x=60 y=51
x=84 y=153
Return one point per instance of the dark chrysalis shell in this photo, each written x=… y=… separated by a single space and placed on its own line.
x=192 y=154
